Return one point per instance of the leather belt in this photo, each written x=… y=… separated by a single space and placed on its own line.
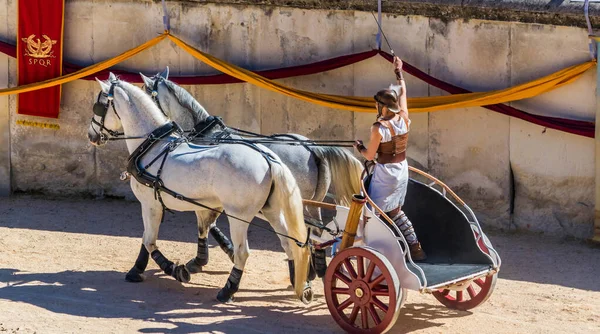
x=390 y=158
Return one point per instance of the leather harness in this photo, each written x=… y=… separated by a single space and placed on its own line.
x=393 y=151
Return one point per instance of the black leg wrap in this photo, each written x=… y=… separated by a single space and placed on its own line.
x=292 y=270
x=135 y=274
x=195 y=265
x=320 y=262
x=179 y=272
x=163 y=262
x=232 y=286
x=312 y=273
x=223 y=241
x=202 y=255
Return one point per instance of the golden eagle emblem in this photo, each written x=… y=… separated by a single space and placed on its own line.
x=38 y=49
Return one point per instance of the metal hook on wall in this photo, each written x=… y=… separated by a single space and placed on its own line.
x=166 y=19
x=586 y=11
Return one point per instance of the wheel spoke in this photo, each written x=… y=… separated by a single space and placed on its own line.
x=350 y=268
x=380 y=304
x=479 y=282
x=360 y=263
x=370 y=271
x=345 y=305
x=364 y=317
x=380 y=291
x=378 y=280
x=342 y=277
x=471 y=292
x=445 y=292
x=459 y=296
x=354 y=314
x=340 y=291
x=374 y=315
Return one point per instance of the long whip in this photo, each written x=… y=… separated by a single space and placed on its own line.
x=382 y=33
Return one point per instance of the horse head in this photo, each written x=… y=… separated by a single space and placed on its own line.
x=121 y=105
x=105 y=122
x=173 y=100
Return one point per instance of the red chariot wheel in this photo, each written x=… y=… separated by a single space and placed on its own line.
x=473 y=295
x=363 y=291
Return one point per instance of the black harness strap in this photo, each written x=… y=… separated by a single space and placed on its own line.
x=149 y=180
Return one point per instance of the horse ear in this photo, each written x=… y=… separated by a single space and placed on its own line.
x=165 y=74
x=112 y=77
x=105 y=87
x=147 y=81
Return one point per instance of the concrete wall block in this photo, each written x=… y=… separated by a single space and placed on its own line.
x=111 y=20
x=4 y=34
x=40 y=162
x=110 y=161
x=554 y=171
x=558 y=47
x=11 y=22
x=468 y=148
x=78 y=38
x=554 y=193
x=315 y=121
x=238 y=104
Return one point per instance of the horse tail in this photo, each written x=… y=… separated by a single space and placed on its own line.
x=345 y=171
x=287 y=193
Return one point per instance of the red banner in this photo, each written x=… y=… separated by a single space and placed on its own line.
x=39 y=54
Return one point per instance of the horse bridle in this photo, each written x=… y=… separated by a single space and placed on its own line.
x=101 y=110
x=154 y=92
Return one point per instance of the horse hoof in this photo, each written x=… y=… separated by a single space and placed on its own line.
x=307 y=295
x=134 y=276
x=181 y=274
x=224 y=297
x=193 y=267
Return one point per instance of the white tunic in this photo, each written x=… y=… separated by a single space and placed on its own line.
x=389 y=182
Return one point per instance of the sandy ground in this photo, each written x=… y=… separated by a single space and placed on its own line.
x=63 y=262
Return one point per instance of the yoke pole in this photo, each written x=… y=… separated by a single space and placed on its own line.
x=356 y=209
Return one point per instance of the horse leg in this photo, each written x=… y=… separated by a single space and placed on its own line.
x=277 y=221
x=135 y=274
x=239 y=237
x=323 y=184
x=153 y=216
x=205 y=219
x=222 y=240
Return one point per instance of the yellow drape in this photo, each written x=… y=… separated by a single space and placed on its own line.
x=418 y=104
x=352 y=103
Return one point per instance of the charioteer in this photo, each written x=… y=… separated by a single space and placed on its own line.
x=388 y=140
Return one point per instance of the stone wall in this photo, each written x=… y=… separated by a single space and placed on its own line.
x=513 y=174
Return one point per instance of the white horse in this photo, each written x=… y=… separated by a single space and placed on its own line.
x=172 y=172
x=316 y=168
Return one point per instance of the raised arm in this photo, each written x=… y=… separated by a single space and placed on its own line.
x=402 y=98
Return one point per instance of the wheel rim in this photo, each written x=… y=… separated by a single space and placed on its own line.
x=362 y=293
x=473 y=295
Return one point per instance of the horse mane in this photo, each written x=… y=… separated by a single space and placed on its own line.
x=140 y=100
x=187 y=101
